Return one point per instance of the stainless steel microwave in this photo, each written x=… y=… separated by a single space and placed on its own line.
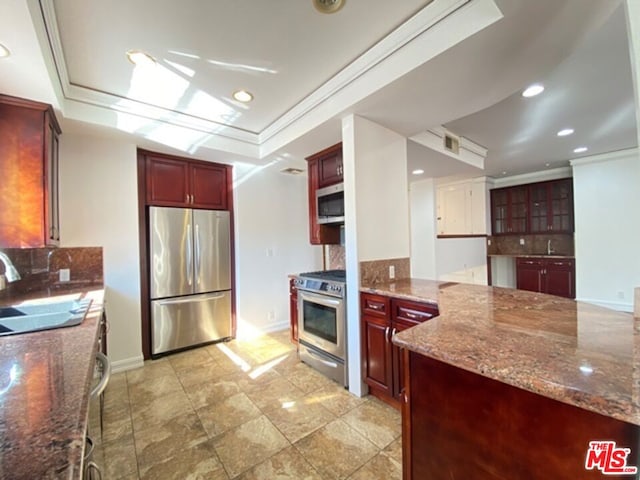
x=330 y=201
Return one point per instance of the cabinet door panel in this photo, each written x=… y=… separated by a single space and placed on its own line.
x=167 y=182
x=518 y=210
x=377 y=353
x=560 y=278
x=499 y=202
x=330 y=167
x=529 y=275
x=293 y=311
x=209 y=187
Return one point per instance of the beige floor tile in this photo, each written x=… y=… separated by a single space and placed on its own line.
x=275 y=394
x=394 y=450
x=336 y=399
x=287 y=364
x=380 y=467
x=197 y=463
x=211 y=392
x=254 y=381
x=199 y=374
x=116 y=422
x=160 y=410
x=189 y=358
x=120 y=458
x=151 y=369
x=249 y=444
x=288 y=464
x=143 y=392
x=336 y=450
x=227 y=414
x=379 y=423
x=299 y=419
x=178 y=434
x=307 y=379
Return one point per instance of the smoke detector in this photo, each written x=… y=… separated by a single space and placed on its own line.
x=328 y=6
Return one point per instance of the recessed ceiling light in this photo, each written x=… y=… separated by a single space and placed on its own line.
x=242 y=96
x=564 y=132
x=328 y=6
x=580 y=149
x=4 y=51
x=140 y=58
x=547 y=164
x=418 y=171
x=504 y=173
x=533 y=90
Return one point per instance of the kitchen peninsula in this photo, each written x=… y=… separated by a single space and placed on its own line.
x=512 y=384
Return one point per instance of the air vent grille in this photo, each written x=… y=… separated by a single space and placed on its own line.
x=451 y=143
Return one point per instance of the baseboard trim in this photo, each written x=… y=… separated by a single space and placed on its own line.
x=621 y=307
x=127 y=364
x=257 y=330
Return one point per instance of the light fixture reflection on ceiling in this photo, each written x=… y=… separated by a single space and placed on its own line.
x=564 y=132
x=418 y=171
x=533 y=90
x=328 y=6
x=243 y=96
x=580 y=150
x=4 y=51
x=140 y=58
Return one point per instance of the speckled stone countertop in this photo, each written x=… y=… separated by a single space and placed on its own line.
x=45 y=379
x=573 y=352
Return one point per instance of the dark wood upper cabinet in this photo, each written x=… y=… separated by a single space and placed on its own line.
x=181 y=183
x=317 y=173
x=509 y=210
x=330 y=166
x=29 y=133
x=543 y=207
x=551 y=206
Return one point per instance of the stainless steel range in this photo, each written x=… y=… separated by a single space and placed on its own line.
x=322 y=331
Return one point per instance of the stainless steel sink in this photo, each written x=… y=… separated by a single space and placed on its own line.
x=42 y=316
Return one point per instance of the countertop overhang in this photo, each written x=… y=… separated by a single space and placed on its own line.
x=577 y=353
x=45 y=379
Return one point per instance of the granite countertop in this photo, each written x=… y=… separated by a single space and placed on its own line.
x=573 y=352
x=45 y=379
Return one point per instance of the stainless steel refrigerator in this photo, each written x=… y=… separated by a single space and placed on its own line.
x=190 y=277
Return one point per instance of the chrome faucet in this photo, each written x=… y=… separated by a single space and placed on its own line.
x=549 y=249
x=10 y=271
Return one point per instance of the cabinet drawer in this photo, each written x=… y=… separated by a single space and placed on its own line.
x=525 y=261
x=414 y=312
x=557 y=263
x=374 y=305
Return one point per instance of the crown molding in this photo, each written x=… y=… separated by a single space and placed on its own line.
x=605 y=157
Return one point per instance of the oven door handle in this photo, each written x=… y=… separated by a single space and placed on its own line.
x=320 y=359
x=333 y=302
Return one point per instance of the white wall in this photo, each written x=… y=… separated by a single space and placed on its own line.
x=98 y=207
x=607 y=202
x=376 y=214
x=462 y=260
x=422 y=210
x=448 y=259
x=382 y=192
x=272 y=241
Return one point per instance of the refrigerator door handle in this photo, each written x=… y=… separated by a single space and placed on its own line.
x=189 y=256
x=198 y=255
x=190 y=300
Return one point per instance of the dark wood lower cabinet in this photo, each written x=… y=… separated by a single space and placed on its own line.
x=381 y=318
x=293 y=311
x=460 y=425
x=555 y=276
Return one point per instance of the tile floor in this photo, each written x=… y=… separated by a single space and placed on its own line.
x=244 y=410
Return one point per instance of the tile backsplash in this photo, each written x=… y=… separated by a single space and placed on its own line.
x=377 y=271
x=39 y=268
x=562 y=244
x=336 y=257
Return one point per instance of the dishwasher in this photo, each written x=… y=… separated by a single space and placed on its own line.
x=93 y=451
